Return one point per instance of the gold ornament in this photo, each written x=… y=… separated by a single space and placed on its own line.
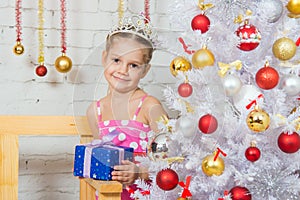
x=63 y=64
x=182 y=198
x=258 y=120
x=294 y=6
x=202 y=58
x=213 y=167
x=284 y=48
x=179 y=64
x=18 y=48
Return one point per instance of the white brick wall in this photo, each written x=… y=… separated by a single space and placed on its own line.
x=46 y=162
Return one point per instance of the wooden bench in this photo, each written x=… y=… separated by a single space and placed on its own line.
x=13 y=126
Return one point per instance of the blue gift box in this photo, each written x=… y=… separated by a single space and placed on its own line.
x=97 y=162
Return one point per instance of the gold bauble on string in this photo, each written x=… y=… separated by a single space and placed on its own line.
x=18 y=48
x=294 y=6
x=258 y=120
x=284 y=48
x=179 y=64
x=63 y=64
x=202 y=58
x=213 y=167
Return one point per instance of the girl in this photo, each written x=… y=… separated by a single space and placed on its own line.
x=126 y=108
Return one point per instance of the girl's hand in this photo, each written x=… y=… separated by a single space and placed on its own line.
x=126 y=173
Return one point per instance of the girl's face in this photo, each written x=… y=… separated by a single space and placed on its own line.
x=124 y=64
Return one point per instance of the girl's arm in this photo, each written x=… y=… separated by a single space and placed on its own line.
x=92 y=118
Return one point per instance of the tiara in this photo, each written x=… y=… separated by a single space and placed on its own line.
x=138 y=25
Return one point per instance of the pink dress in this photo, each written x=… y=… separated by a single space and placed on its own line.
x=131 y=133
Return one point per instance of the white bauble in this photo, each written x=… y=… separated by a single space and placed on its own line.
x=232 y=84
x=187 y=126
x=244 y=97
x=291 y=85
x=271 y=10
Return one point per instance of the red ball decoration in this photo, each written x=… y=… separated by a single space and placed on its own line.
x=289 y=143
x=240 y=193
x=249 y=37
x=252 y=154
x=41 y=70
x=200 y=22
x=167 y=179
x=267 y=78
x=208 y=124
x=185 y=90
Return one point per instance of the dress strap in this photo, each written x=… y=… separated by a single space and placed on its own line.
x=99 y=111
x=139 y=107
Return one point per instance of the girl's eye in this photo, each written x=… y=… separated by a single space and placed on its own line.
x=116 y=60
x=134 y=66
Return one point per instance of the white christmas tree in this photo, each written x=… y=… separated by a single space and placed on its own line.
x=237 y=63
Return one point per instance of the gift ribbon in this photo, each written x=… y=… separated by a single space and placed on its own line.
x=105 y=142
x=225 y=67
x=203 y=6
x=218 y=152
x=186 y=192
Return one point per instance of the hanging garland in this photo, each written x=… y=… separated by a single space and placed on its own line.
x=121 y=11
x=63 y=63
x=41 y=70
x=18 y=48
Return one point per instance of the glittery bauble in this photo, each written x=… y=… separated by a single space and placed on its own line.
x=249 y=37
x=208 y=124
x=167 y=179
x=240 y=193
x=41 y=70
x=179 y=64
x=289 y=143
x=18 y=49
x=294 y=6
x=185 y=89
x=232 y=84
x=157 y=148
x=246 y=94
x=252 y=154
x=291 y=85
x=258 y=120
x=63 y=64
x=284 y=48
x=200 y=22
x=202 y=58
x=271 y=10
x=267 y=78
x=213 y=167
x=187 y=126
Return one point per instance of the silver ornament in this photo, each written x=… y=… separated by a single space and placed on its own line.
x=291 y=85
x=271 y=10
x=157 y=148
x=187 y=126
x=232 y=84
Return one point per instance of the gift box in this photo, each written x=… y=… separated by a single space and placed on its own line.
x=97 y=160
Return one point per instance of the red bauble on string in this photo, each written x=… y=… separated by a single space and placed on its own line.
x=41 y=70
x=200 y=22
x=252 y=154
x=249 y=37
x=240 y=193
x=267 y=77
x=208 y=124
x=167 y=179
x=185 y=89
x=289 y=143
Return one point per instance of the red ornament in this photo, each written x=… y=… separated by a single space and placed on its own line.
x=208 y=124
x=185 y=90
x=200 y=22
x=41 y=70
x=267 y=77
x=252 y=154
x=167 y=179
x=249 y=37
x=289 y=143
x=240 y=193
